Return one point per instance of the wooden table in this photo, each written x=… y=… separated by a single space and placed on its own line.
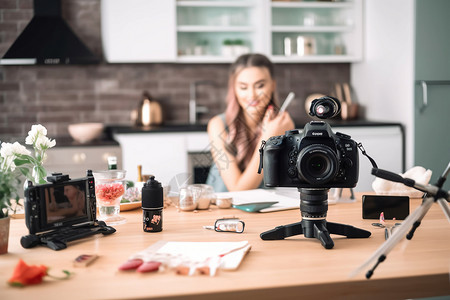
x=293 y=268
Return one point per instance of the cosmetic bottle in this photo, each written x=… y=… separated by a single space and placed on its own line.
x=152 y=205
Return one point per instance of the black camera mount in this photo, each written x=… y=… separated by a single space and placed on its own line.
x=313 y=208
x=58 y=239
x=60 y=177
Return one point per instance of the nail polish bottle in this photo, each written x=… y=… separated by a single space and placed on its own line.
x=152 y=205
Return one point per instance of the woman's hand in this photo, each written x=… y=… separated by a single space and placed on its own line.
x=274 y=124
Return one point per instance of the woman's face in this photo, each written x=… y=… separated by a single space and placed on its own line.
x=254 y=87
x=71 y=193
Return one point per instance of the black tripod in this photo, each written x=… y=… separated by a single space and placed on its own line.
x=313 y=208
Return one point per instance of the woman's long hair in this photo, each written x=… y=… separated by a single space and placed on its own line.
x=242 y=140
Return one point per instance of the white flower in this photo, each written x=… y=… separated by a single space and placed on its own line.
x=9 y=152
x=44 y=143
x=35 y=132
x=15 y=157
x=9 y=149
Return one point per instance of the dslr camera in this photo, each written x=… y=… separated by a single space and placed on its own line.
x=313 y=158
x=61 y=203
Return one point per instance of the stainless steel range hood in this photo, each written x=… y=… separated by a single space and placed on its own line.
x=48 y=40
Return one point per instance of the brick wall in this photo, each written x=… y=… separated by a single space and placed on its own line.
x=56 y=96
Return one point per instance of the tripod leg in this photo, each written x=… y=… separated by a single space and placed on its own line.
x=281 y=232
x=347 y=230
x=321 y=233
x=445 y=207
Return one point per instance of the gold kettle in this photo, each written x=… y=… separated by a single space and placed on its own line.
x=149 y=112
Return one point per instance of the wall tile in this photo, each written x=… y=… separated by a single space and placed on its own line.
x=25 y=4
x=8 y=4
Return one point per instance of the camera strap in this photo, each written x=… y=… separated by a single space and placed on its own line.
x=261 y=153
x=363 y=151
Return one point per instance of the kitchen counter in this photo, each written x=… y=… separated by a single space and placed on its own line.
x=180 y=127
x=170 y=127
x=67 y=141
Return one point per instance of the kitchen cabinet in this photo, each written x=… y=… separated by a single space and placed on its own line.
x=207 y=31
x=76 y=160
x=217 y=30
x=167 y=155
x=164 y=155
x=385 y=144
x=311 y=31
x=138 y=31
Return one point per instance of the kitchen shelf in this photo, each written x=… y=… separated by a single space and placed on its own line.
x=202 y=28
x=210 y=31
x=312 y=28
x=314 y=58
x=182 y=3
x=328 y=31
x=312 y=4
x=205 y=59
x=215 y=31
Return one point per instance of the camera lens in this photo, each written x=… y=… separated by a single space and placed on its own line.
x=317 y=164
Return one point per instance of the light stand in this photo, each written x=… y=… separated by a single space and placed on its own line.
x=412 y=222
x=313 y=208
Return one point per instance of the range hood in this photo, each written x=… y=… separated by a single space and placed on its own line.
x=48 y=40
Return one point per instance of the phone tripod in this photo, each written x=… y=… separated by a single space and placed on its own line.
x=412 y=222
x=313 y=208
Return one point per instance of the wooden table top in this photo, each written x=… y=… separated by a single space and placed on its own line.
x=291 y=268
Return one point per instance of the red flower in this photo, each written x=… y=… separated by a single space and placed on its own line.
x=108 y=194
x=24 y=274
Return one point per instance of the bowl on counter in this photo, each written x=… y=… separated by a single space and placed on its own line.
x=85 y=132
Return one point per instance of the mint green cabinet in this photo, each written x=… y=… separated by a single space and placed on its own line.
x=432 y=89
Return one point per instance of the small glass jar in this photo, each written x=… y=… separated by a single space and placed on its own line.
x=202 y=195
x=109 y=190
x=186 y=202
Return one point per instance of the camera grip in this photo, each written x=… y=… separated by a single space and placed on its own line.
x=271 y=163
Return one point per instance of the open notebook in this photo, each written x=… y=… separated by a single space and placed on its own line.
x=215 y=255
x=288 y=198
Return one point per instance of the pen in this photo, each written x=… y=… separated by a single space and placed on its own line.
x=287 y=101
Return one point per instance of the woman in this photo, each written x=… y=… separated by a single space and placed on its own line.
x=65 y=202
x=251 y=116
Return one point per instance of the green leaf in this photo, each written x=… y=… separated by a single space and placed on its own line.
x=67 y=275
x=26 y=172
x=21 y=161
x=16 y=284
x=41 y=173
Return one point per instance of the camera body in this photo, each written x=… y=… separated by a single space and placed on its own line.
x=61 y=203
x=314 y=158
